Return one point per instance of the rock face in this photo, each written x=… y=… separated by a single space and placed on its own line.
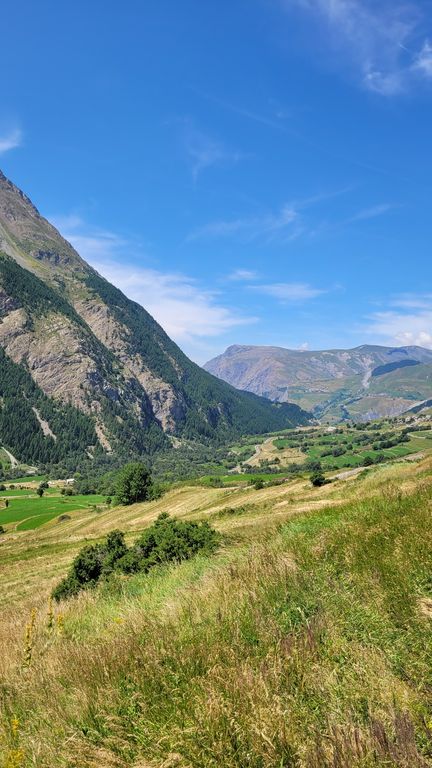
x=362 y=383
x=86 y=345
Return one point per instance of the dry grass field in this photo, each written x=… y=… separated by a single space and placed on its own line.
x=304 y=641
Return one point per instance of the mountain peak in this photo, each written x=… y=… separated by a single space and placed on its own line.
x=336 y=383
x=83 y=344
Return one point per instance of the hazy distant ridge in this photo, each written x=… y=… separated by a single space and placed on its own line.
x=365 y=382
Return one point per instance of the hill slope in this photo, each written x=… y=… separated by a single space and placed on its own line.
x=78 y=341
x=304 y=642
x=362 y=383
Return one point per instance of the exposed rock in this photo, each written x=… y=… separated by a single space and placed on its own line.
x=339 y=383
x=167 y=406
x=85 y=344
x=53 y=353
x=45 y=427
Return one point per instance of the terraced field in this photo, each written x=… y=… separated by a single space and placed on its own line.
x=324 y=447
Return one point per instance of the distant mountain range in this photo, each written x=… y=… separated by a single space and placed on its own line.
x=364 y=383
x=85 y=371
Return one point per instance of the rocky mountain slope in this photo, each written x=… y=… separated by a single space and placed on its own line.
x=362 y=383
x=86 y=369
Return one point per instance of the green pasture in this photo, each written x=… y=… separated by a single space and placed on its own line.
x=26 y=513
x=26 y=479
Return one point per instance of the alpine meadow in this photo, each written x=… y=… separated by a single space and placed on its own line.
x=216 y=385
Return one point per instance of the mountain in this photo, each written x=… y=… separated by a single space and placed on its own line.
x=362 y=383
x=84 y=370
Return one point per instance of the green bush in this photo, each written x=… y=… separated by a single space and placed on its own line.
x=167 y=540
x=317 y=479
x=133 y=483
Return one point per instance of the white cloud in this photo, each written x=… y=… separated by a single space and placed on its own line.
x=378 y=38
x=288 y=292
x=189 y=313
x=243 y=275
x=423 y=62
x=92 y=244
x=373 y=212
x=267 y=225
x=407 y=321
x=10 y=140
x=176 y=301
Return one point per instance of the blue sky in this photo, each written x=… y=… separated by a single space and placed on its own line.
x=251 y=171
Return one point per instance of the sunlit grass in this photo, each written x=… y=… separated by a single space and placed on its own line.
x=300 y=643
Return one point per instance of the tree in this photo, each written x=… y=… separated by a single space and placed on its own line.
x=133 y=483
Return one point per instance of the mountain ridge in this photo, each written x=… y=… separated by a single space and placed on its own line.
x=362 y=383
x=84 y=344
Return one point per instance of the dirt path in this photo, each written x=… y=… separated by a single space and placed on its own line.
x=347 y=473
x=12 y=459
x=267 y=450
x=414 y=456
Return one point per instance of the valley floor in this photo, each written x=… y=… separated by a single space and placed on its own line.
x=305 y=641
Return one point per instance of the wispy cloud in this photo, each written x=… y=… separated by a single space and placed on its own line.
x=423 y=62
x=287 y=223
x=373 y=212
x=189 y=312
x=253 y=227
x=379 y=38
x=10 y=140
x=406 y=320
x=274 y=120
x=243 y=275
x=92 y=243
x=203 y=151
x=288 y=292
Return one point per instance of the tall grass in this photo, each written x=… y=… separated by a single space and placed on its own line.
x=309 y=649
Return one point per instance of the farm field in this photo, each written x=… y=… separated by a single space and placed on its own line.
x=353 y=445
x=29 y=480
x=26 y=511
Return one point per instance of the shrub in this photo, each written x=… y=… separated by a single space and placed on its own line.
x=167 y=540
x=317 y=479
x=216 y=482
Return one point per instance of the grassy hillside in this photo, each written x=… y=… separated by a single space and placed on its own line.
x=364 y=383
x=305 y=641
